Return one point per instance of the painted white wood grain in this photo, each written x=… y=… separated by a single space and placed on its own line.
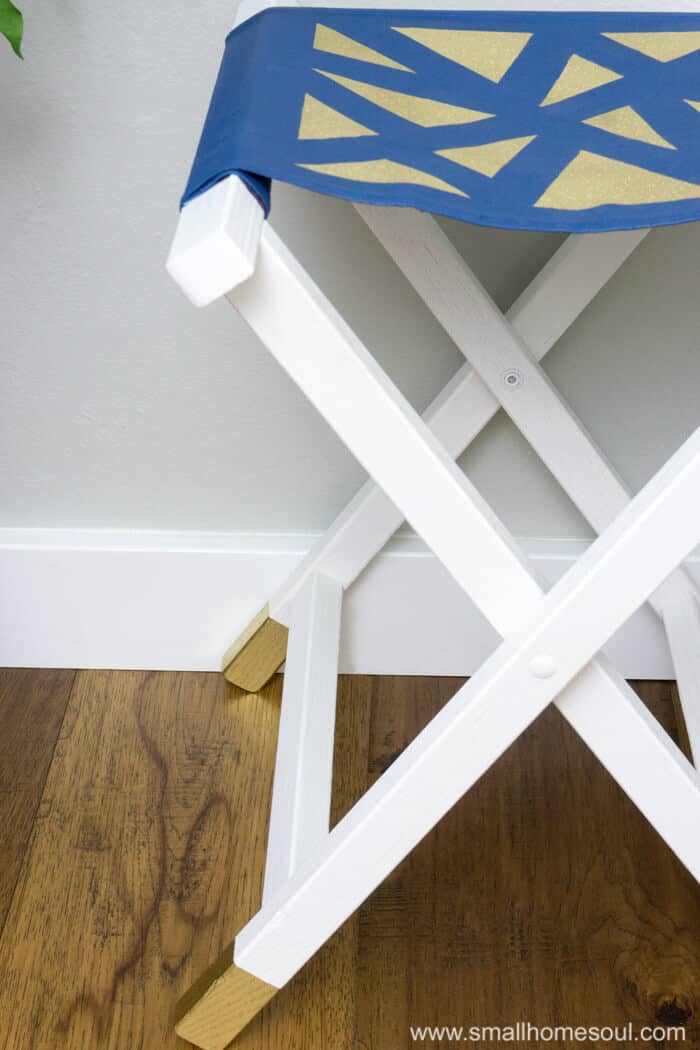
x=217 y=234
x=565 y=629
x=216 y=241
x=347 y=386
x=301 y=797
x=504 y=363
x=335 y=371
x=566 y=285
x=452 y=293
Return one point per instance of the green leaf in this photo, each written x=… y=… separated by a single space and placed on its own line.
x=11 y=25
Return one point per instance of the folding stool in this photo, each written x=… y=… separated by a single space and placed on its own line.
x=316 y=878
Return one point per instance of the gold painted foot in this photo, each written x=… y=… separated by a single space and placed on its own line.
x=220 y=1004
x=255 y=656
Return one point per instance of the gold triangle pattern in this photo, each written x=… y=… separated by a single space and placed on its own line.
x=386 y=171
x=489 y=54
x=591 y=180
x=489 y=158
x=335 y=43
x=319 y=121
x=627 y=123
x=427 y=112
x=695 y=105
x=664 y=47
x=578 y=76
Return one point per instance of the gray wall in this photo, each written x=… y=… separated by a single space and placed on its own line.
x=123 y=406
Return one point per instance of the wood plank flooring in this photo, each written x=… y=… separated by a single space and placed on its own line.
x=32 y=706
x=133 y=813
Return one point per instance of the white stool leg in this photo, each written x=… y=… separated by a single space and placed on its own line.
x=523 y=675
x=526 y=672
x=566 y=285
x=327 y=361
x=492 y=346
x=568 y=626
x=565 y=629
x=226 y=996
x=216 y=241
x=396 y=447
x=301 y=797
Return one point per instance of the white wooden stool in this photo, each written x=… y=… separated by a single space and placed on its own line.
x=316 y=878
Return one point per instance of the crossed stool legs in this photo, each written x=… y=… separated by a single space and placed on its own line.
x=315 y=878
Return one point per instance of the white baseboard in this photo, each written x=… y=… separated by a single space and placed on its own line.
x=171 y=600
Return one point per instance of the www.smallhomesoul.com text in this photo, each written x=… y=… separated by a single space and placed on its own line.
x=525 y=1031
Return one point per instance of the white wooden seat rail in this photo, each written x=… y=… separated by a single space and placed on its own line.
x=316 y=877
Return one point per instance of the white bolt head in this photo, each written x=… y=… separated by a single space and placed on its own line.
x=543 y=666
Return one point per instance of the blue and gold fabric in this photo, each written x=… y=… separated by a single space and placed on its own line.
x=554 y=121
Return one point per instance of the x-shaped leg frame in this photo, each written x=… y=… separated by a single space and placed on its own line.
x=504 y=352
x=315 y=878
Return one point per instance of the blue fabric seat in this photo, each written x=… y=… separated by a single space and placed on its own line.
x=554 y=121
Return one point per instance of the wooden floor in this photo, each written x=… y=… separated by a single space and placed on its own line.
x=133 y=810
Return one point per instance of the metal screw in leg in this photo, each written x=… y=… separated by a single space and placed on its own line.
x=513 y=378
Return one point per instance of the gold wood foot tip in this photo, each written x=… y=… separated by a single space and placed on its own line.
x=253 y=658
x=220 y=1004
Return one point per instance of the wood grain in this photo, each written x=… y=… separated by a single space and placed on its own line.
x=543 y=895
x=32 y=706
x=317 y=1009
x=147 y=854
x=220 y=1003
x=257 y=654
